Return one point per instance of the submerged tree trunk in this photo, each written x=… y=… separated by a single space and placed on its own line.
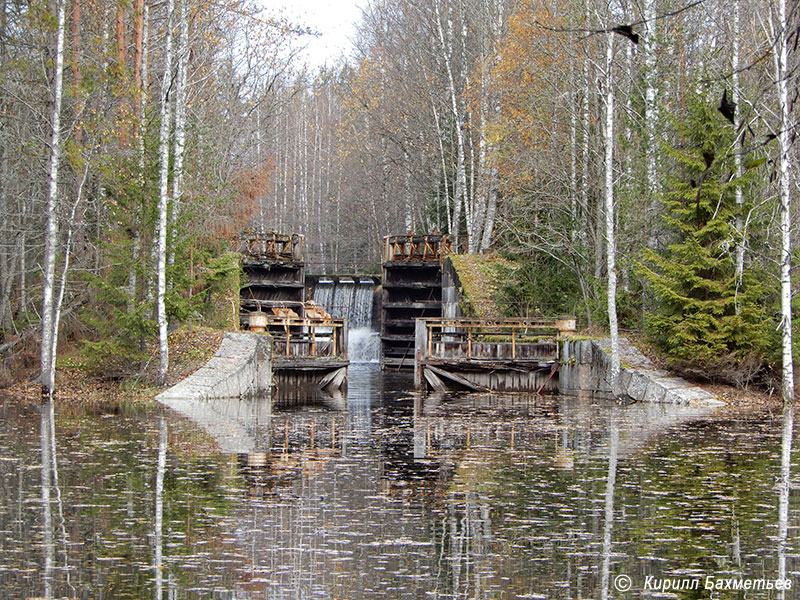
x=48 y=351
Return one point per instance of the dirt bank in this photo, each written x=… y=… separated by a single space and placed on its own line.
x=189 y=350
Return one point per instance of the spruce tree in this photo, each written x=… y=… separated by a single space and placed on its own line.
x=706 y=321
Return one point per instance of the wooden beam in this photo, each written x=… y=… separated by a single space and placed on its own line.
x=434 y=381
x=456 y=379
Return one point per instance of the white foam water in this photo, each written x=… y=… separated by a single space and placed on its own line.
x=352 y=299
x=364 y=345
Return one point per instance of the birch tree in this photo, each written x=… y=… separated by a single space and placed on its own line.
x=785 y=132
x=610 y=230
x=163 y=196
x=446 y=49
x=738 y=149
x=650 y=49
x=48 y=351
x=180 y=122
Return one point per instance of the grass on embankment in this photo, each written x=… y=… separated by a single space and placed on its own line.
x=189 y=350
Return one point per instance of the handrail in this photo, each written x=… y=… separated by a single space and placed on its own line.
x=310 y=336
x=516 y=332
x=412 y=247
x=500 y=323
x=263 y=246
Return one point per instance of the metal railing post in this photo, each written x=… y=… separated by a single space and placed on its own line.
x=513 y=342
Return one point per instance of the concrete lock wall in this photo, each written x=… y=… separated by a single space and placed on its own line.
x=242 y=366
x=586 y=365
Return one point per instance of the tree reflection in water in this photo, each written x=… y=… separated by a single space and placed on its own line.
x=47 y=515
x=391 y=496
x=49 y=485
x=608 y=522
x=783 y=498
x=158 y=521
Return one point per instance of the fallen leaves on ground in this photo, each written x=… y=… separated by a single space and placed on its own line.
x=189 y=349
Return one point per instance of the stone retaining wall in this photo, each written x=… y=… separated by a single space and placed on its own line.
x=241 y=367
x=586 y=363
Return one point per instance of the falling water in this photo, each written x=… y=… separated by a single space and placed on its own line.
x=343 y=295
x=323 y=293
x=353 y=301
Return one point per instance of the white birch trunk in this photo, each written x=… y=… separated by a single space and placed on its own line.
x=276 y=180
x=443 y=157
x=585 y=159
x=573 y=139
x=408 y=202
x=785 y=142
x=303 y=159
x=470 y=208
x=320 y=186
x=650 y=48
x=493 y=110
x=491 y=209
x=48 y=350
x=610 y=233
x=329 y=176
x=163 y=198
x=481 y=186
x=459 y=193
x=179 y=143
x=737 y=154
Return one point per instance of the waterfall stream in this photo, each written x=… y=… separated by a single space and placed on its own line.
x=352 y=300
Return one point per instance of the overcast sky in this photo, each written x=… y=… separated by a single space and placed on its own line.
x=334 y=19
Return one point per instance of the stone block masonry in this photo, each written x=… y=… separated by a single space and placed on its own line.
x=586 y=364
x=242 y=366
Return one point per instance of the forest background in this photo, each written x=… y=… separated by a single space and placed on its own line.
x=647 y=144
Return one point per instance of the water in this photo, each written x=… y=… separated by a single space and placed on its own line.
x=352 y=300
x=364 y=345
x=347 y=299
x=388 y=495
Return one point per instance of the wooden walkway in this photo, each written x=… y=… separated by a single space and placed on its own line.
x=489 y=355
x=308 y=352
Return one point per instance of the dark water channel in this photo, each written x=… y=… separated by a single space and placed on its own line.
x=387 y=495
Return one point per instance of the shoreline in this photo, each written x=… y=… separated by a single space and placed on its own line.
x=191 y=349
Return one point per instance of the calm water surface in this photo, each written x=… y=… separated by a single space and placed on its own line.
x=390 y=495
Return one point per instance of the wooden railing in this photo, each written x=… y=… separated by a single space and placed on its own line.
x=308 y=338
x=271 y=246
x=491 y=340
x=421 y=248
